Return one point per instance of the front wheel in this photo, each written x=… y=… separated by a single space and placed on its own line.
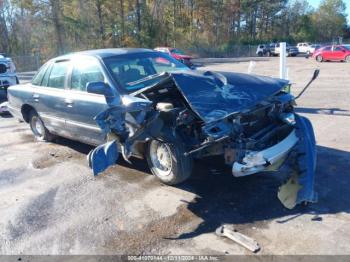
x=37 y=126
x=168 y=162
x=319 y=58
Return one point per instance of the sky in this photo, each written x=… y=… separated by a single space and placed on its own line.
x=316 y=3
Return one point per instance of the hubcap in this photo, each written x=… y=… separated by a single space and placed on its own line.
x=161 y=158
x=38 y=127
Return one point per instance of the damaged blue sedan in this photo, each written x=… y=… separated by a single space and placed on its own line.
x=143 y=103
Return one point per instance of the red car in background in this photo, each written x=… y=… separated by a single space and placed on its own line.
x=332 y=53
x=177 y=54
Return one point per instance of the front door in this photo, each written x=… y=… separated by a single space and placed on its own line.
x=85 y=106
x=338 y=53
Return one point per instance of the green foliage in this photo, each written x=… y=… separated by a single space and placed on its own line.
x=52 y=27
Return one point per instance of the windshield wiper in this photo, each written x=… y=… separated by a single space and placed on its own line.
x=145 y=79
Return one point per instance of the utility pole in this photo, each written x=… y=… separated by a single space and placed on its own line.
x=174 y=18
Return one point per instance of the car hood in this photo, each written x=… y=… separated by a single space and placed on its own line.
x=216 y=95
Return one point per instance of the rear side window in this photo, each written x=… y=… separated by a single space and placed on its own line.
x=39 y=76
x=327 y=48
x=58 y=75
x=85 y=71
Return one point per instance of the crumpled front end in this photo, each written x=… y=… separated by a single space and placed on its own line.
x=254 y=162
x=258 y=132
x=299 y=148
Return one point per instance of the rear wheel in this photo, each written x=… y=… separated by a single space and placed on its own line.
x=37 y=126
x=319 y=58
x=168 y=162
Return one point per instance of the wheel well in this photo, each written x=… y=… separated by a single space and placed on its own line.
x=25 y=111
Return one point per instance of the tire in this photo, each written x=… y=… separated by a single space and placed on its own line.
x=260 y=53
x=347 y=59
x=319 y=58
x=38 y=128
x=168 y=162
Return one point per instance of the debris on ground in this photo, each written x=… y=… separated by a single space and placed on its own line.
x=231 y=233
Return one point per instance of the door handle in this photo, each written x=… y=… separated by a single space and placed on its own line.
x=68 y=102
x=36 y=97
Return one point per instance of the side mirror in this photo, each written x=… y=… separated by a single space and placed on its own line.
x=3 y=68
x=99 y=88
x=316 y=72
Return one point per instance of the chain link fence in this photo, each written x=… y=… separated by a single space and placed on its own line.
x=228 y=52
x=27 y=63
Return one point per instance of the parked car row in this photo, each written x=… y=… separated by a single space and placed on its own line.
x=320 y=53
x=274 y=49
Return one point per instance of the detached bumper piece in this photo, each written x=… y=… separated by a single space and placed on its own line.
x=258 y=161
x=300 y=186
x=102 y=157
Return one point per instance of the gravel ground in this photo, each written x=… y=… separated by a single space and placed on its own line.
x=51 y=204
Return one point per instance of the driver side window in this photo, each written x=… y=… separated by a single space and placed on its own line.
x=85 y=71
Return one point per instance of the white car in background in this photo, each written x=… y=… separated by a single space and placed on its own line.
x=8 y=76
x=306 y=48
x=303 y=47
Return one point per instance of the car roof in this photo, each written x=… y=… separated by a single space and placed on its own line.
x=103 y=53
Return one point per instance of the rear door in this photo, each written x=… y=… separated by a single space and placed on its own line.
x=51 y=96
x=84 y=106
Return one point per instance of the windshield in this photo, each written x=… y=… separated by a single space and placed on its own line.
x=136 y=71
x=346 y=47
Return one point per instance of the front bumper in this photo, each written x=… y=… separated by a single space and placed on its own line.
x=255 y=162
x=15 y=112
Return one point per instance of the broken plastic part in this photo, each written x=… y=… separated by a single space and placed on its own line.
x=288 y=192
x=255 y=162
x=300 y=187
x=102 y=157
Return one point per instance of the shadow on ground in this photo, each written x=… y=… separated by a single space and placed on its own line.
x=223 y=199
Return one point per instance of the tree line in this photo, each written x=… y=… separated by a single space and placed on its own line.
x=52 y=27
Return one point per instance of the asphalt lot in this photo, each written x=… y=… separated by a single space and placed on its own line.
x=51 y=204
